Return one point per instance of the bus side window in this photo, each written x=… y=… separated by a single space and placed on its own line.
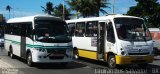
x=8 y=29
x=110 y=33
x=15 y=30
x=72 y=29
x=29 y=30
x=26 y=29
x=80 y=29
x=91 y=29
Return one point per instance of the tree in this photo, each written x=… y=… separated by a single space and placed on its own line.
x=88 y=8
x=8 y=8
x=49 y=8
x=99 y=5
x=58 y=11
x=147 y=9
x=82 y=6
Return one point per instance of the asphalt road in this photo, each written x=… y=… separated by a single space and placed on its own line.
x=81 y=66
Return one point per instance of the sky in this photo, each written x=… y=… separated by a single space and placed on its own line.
x=33 y=7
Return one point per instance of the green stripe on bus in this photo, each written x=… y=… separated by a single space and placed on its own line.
x=38 y=46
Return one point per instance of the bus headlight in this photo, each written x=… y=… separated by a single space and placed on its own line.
x=122 y=52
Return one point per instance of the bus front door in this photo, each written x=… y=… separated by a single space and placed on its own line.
x=101 y=40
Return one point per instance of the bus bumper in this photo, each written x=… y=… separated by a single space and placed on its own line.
x=47 y=60
x=133 y=59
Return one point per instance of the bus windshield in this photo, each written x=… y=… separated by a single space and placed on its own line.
x=131 y=29
x=51 y=31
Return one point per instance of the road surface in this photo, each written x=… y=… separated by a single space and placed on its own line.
x=82 y=66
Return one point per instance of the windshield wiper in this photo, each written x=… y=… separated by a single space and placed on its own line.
x=39 y=38
x=42 y=37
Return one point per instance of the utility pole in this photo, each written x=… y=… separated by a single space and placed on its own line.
x=113 y=1
x=63 y=10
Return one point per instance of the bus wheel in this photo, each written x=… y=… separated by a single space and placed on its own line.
x=143 y=65
x=29 y=60
x=8 y=53
x=12 y=55
x=111 y=61
x=75 y=54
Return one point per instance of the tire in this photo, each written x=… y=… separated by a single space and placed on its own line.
x=111 y=61
x=12 y=55
x=75 y=54
x=143 y=65
x=8 y=53
x=29 y=60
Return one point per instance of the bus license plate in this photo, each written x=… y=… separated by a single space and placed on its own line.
x=57 y=55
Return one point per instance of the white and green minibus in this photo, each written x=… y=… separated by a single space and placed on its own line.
x=38 y=39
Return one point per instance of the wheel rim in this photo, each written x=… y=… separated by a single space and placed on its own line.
x=76 y=56
x=29 y=59
x=11 y=54
x=112 y=62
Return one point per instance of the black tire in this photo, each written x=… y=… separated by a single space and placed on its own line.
x=111 y=61
x=75 y=54
x=12 y=55
x=8 y=53
x=143 y=65
x=29 y=60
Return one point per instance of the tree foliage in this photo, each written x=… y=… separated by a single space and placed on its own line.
x=56 y=10
x=48 y=8
x=147 y=9
x=8 y=8
x=88 y=8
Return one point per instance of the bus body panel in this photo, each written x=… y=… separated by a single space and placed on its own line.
x=84 y=45
x=13 y=42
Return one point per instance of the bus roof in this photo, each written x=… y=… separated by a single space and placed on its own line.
x=31 y=18
x=100 y=18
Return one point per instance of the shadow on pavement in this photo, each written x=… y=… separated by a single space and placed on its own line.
x=127 y=69
x=70 y=65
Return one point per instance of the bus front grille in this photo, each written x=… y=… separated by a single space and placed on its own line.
x=56 y=51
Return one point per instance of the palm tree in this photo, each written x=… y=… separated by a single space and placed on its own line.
x=89 y=8
x=58 y=11
x=82 y=6
x=99 y=5
x=8 y=8
x=49 y=8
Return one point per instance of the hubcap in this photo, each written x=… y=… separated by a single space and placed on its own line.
x=76 y=56
x=29 y=59
x=11 y=54
x=112 y=62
